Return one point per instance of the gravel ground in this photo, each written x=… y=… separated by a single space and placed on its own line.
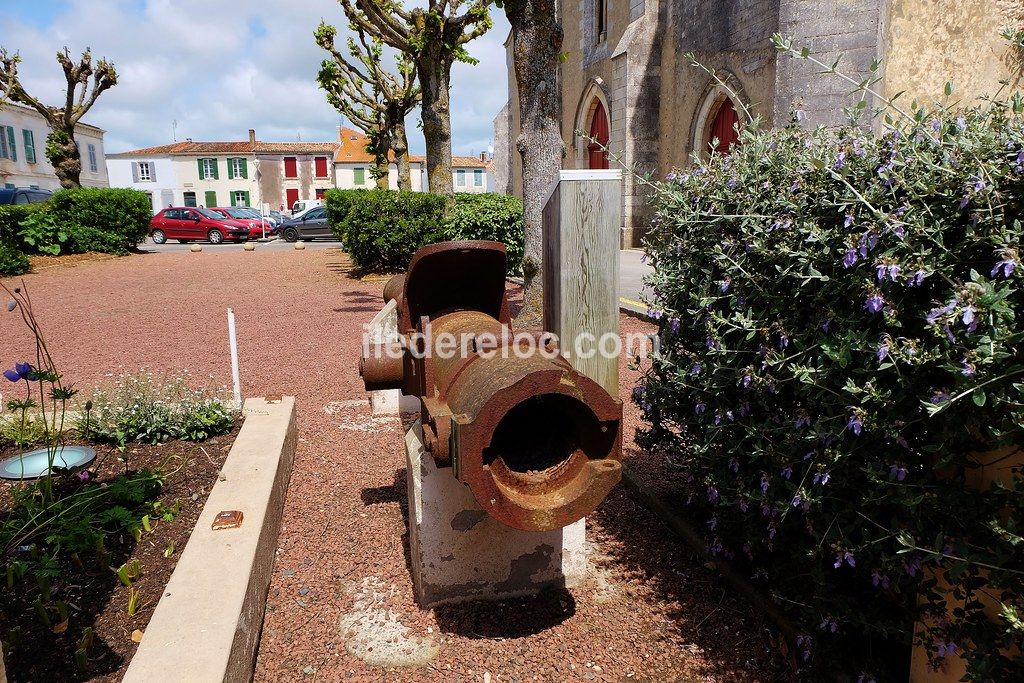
x=649 y=612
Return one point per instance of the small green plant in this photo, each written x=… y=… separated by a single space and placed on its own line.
x=13 y=261
x=83 y=648
x=153 y=409
x=40 y=234
x=169 y=550
x=128 y=572
x=134 y=595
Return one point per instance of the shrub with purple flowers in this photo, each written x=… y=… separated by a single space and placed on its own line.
x=851 y=301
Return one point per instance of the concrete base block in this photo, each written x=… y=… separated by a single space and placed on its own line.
x=459 y=553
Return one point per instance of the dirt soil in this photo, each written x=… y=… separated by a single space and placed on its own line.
x=341 y=588
x=95 y=596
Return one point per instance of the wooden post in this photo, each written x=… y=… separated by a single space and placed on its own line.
x=582 y=224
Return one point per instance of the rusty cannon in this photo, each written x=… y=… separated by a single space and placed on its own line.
x=538 y=443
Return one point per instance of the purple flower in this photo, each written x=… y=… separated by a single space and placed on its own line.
x=699 y=408
x=695 y=370
x=654 y=314
x=849 y=220
x=828 y=624
x=674 y=325
x=712 y=523
x=795 y=186
x=968 y=316
x=746 y=380
x=855 y=424
x=912 y=566
x=764 y=483
x=1007 y=265
x=724 y=285
x=898 y=471
x=937 y=313
x=799 y=115
x=939 y=397
x=879 y=580
x=803 y=421
x=712 y=494
x=638 y=392
x=729 y=415
x=961 y=123
x=743 y=506
x=797 y=500
x=12 y=375
x=786 y=472
x=744 y=409
x=874 y=303
x=916 y=278
x=883 y=352
x=946 y=649
x=825 y=325
x=968 y=370
x=734 y=464
x=850 y=258
x=840 y=162
x=84 y=475
x=822 y=477
x=844 y=556
x=21 y=371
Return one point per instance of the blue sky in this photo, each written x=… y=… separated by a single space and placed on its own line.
x=220 y=67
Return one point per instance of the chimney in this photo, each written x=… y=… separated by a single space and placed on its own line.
x=483 y=157
x=252 y=136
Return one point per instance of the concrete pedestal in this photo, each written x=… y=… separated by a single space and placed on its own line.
x=460 y=553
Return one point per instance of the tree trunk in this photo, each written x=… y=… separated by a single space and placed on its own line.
x=536 y=46
x=435 y=79
x=400 y=145
x=63 y=154
x=380 y=174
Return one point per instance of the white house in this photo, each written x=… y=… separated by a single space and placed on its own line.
x=151 y=173
x=23 y=161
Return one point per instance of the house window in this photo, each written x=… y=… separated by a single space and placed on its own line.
x=601 y=12
x=320 y=193
x=30 y=146
x=190 y=199
x=8 y=150
x=144 y=173
x=241 y=198
x=237 y=168
x=360 y=176
x=478 y=178
x=92 y=159
x=291 y=167
x=460 y=178
x=208 y=169
x=321 y=166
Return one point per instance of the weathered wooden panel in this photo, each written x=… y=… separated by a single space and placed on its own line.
x=581 y=271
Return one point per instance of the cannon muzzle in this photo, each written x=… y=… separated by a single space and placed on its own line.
x=538 y=443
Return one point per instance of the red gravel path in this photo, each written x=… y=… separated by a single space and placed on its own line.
x=651 y=612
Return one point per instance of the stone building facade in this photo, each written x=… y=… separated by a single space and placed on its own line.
x=626 y=76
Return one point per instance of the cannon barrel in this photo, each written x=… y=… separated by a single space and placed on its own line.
x=538 y=443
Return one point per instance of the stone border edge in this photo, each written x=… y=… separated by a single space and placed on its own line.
x=208 y=623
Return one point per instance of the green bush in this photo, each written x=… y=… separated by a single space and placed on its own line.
x=840 y=325
x=11 y=217
x=12 y=260
x=108 y=220
x=382 y=229
x=488 y=216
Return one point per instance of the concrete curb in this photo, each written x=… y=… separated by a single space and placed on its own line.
x=207 y=624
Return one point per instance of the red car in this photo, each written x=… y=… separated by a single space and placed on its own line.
x=189 y=223
x=244 y=216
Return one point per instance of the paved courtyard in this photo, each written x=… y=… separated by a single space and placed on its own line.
x=341 y=603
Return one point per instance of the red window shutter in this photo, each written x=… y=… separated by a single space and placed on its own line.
x=291 y=169
x=600 y=134
x=292 y=196
x=321 y=167
x=724 y=128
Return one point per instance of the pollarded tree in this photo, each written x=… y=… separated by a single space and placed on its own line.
x=536 y=50
x=434 y=37
x=85 y=83
x=372 y=98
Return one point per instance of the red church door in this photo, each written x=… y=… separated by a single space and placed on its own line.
x=599 y=135
x=723 y=128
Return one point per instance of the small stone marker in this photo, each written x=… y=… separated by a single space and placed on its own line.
x=250 y=246
x=137 y=636
x=299 y=246
x=195 y=248
x=227 y=519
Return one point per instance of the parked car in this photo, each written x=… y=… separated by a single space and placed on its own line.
x=249 y=217
x=304 y=205
x=188 y=223
x=23 y=195
x=306 y=226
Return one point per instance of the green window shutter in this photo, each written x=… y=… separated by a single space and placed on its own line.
x=247 y=203
x=211 y=198
x=245 y=168
x=213 y=162
x=30 y=146
x=10 y=140
x=231 y=168
x=360 y=176
x=200 y=162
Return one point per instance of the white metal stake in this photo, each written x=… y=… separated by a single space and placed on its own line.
x=233 y=343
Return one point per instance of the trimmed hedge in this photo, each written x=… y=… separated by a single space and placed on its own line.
x=107 y=220
x=382 y=229
x=12 y=260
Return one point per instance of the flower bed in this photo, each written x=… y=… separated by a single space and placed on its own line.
x=839 y=316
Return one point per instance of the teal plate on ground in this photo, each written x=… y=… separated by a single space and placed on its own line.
x=35 y=464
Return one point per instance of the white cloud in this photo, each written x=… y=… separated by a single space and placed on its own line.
x=198 y=62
